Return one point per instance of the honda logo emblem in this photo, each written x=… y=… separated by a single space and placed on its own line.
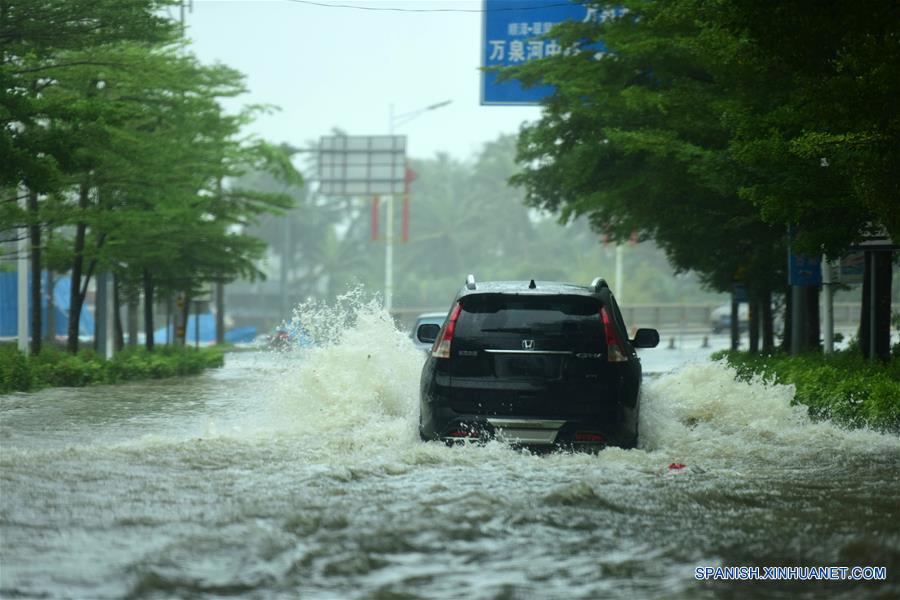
x=528 y=344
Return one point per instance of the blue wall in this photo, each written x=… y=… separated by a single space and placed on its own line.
x=9 y=306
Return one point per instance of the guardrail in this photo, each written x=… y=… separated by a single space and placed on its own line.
x=667 y=316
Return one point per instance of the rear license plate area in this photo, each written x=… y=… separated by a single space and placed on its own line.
x=518 y=366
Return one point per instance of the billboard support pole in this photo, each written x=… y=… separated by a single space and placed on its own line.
x=389 y=254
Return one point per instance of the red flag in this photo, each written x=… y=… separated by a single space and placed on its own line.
x=409 y=178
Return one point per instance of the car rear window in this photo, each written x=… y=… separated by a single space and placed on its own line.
x=548 y=315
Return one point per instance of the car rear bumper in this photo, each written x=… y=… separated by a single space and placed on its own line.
x=446 y=425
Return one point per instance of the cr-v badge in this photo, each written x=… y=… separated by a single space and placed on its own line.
x=528 y=344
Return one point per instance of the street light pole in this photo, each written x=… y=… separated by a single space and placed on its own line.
x=396 y=121
x=389 y=236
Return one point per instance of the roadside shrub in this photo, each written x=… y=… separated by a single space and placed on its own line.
x=842 y=387
x=76 y=371
x=161 y=367
x=129 y=365
x=15 y=370
x=53 y=367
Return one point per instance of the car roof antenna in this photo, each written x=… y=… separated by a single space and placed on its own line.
x=531 y=285
x=470 y=282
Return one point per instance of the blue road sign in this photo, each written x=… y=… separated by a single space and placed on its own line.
x=517 y=31
x=804 y=269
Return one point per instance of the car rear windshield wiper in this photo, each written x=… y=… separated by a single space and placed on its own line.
x=510 y=329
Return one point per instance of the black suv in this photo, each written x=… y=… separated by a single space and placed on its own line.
x=538 y=364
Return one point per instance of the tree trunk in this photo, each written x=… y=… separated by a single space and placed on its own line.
x=788 y=320
x=148 y=310
x=51 y=309
x=35 y=233
x=132 y=321
x=876 y=306
x=181 y=320
x=220 y=288
x=75 y=297
x=170 y=325
x=119 y=335
x=753 y=325
x=735 y=324
x=768 y=336
x=220 y=313
x=884 y=275
x=813 y=328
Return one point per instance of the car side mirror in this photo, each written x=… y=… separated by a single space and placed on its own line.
x=428 y=332
x=645 y=338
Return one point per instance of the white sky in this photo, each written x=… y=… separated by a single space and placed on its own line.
x=343 y=67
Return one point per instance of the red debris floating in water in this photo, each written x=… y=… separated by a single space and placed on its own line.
x=676 y=466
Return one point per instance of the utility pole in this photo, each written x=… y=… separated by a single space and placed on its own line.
x=22 y=263
x=190 y=7
x=389 y=235
x=804 y=277
x=286 y=247
x=103 y=309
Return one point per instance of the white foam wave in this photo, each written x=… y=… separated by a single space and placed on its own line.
x=702 y=412
x=357 y=383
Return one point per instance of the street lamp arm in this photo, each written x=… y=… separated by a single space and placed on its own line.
x=397 y=120
x=438 y=105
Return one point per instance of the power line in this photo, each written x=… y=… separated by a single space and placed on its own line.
x=430 y=10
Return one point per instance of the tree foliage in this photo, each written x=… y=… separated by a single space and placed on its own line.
x=712 y=126
x=108 y=117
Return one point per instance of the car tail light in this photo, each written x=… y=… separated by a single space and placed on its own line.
x=615 y=350
x=441 y=348
x=588 y=436
x=464 y=433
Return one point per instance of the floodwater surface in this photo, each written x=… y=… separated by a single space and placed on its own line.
x=301 y=475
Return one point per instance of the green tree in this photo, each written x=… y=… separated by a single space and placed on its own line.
x=631 y=141
x=36 y=40
x=134 y=145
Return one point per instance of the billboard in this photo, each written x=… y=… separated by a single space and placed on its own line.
x=517 y=31
x=354 y=165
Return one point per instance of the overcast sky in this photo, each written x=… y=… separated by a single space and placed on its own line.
x=343 y=67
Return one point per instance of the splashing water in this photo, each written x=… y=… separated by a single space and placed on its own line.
x=356 y=381
x=703 y=413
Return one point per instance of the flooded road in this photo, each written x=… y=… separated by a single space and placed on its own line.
x=301 y=475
